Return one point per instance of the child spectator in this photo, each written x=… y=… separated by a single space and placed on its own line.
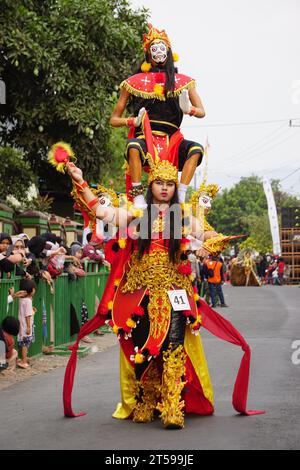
x=26 y=314
x=9 y=328
x=75 y=269
x=92 y=251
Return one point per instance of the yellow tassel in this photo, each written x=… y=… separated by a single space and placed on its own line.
x=122 y=243
x=145 y=67
x=110 y=305
x=115 y=329
x=130 y=323
x=138 y=213
x=175 y=57
x=139 y=358
x=117 y=282
x=196 y=297
x=158 y=89
x=59 y=155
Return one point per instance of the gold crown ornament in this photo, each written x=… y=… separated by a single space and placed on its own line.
x=210 y=190
x=162 y=170
x=155 y=35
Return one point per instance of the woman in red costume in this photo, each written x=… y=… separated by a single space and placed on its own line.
x=151 y=304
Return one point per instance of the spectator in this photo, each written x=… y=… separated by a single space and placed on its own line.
x=92 y=251
x=9 y=262
x=215 y=276
x=75 y=269
x=275 y=278
x=9 y=328
x=36 y=246
x=262 y=267
x=281 y=266
x=26 y=314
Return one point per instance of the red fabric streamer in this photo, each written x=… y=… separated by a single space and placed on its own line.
x=96 y=322
x=222 y=328
x=172 y=151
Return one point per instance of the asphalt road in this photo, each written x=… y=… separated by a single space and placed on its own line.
x=269 y=318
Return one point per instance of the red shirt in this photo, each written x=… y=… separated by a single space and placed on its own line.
x=281 y=267
x=10 y=342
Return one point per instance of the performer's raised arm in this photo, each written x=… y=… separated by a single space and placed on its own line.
x=117 y=119
x=191 y=104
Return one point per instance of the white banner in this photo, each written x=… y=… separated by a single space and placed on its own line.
x=273 y=218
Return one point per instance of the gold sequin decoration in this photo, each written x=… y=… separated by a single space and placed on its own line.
x=158 y=274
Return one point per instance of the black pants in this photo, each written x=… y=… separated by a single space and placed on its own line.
x=140 y=334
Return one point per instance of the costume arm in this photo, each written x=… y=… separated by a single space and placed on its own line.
x=111 y=215
x=198 y=230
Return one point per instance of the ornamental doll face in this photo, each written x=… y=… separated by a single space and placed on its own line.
x=158 y=52
x=205 y=201
x=104 y=200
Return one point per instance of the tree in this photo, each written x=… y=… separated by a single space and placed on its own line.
x=243 y=209
x=16 y=176
x=62 y=61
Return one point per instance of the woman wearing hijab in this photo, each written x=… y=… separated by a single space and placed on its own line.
x=9 y=262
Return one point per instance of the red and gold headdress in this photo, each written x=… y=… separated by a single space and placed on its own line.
x=162 y=170
x=155 y=34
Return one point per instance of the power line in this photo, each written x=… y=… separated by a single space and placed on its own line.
x=263 y=150
x=253 y=148
x=246 y=123
x=293 y=172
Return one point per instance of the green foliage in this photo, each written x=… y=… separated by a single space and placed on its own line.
x=15 y=174
x=112 y=171
x=62 y=61
x=41 y=203
x=259 y=233
x=243 y=209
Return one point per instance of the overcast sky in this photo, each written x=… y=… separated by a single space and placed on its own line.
x=245 y=57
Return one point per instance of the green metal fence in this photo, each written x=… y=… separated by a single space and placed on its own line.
x=57 y=304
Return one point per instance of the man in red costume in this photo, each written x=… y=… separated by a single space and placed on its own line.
x=165 y=96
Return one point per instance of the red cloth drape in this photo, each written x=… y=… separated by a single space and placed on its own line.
x=222 y=328
x=172 y=151
x=96 y=322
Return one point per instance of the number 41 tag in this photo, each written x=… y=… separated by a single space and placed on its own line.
x=179 y=300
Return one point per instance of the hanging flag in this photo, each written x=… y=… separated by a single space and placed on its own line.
x=273 y=218
x=44 y=321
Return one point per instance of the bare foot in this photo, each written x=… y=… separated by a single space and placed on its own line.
x=22 y=365
x=87 y=339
